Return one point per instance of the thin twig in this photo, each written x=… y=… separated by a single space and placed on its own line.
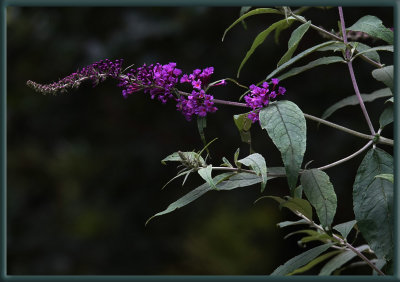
x=353 y=77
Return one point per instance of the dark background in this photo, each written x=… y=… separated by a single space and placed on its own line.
x=83 y=168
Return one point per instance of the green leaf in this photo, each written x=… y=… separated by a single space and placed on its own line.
x=384 y=75
x=374 y=27
x=298 y=192
x=205 y=173
x=319 y=191
x=251 y=13
x=314 y=262
x=389 y=100
x=175 y=157
x=388 y=48
x=258 y=165
x=373 y=202
x=340 y=260
x=226 y=162
x=301 y=260
x=386 y=116
x=353 y=100
x=224 y=181
x=313 y=64
x=294 y=41
x=281 y=28
x=360 y=47
x=298 y=57
x=260 y=38
x=298 y=205
x=286 y=126
x=235 y=158
x=243 y=123
x=387 y=176
x=291 y=223
x=345 y=228
x=175 y=177
x=201 y=124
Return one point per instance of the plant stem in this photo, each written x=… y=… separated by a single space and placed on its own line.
x=351 y=70
x=334 y=36
x=343 y=242
x=347 y=158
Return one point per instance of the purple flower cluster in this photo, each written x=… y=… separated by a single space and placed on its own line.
x=198 y=103
x=156 y=79
x=259 y=97
x=95 y=72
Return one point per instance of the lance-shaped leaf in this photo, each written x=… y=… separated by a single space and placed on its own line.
x=373 y=202
x=314 y=262
x=386 y=116
x=184 y=156
x=286 y=126
x=258 y=165
x=296 y=205
x=243 y=123
x=294 y=41
x=373 y=26
x=298 y=57
x=313 y=64
x=353 y=100
x=291 y=223
x=319 y=191
x=260 y=38
x=345 y=228
x=384 y=75
x=368 y=51
x=340 y=260
x=224 y=181
x=201 y=125
x=205 y=173
x=301 y=260
x=251 y=13
x=360 y=47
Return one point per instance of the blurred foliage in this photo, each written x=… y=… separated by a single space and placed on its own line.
x=83 y=168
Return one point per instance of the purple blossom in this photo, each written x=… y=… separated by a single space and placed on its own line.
x=260 y=97
x=96 y=72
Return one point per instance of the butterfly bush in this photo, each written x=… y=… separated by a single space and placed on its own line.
x=160 y=82
x=260 y=97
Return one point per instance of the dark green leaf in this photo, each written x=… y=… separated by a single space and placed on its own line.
x=179 y=175
x=301 y=260
x=360 y=47
x=298 y=205
x=258 y=165
x=294 y=41
x=298 y=57
x=235 y=158
x=201 y=124
x=353 y=100
x=252 y=13
x=387 y=176
x=386 y=116
x=205 y=173
x=225 y=181
x=260 y=38
x=345 y=228
x=298 y=192
x=286 y=126
x=290 y=223
x=314 y=262
x=340 y=260
x=384 y=75
x=243 y=123
x=175 y=157
x=368 y=51
x=374 y=27
x=304 y=231
x=281 y=28
x=319 y=191
x=373 y=202
x=313 y=64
